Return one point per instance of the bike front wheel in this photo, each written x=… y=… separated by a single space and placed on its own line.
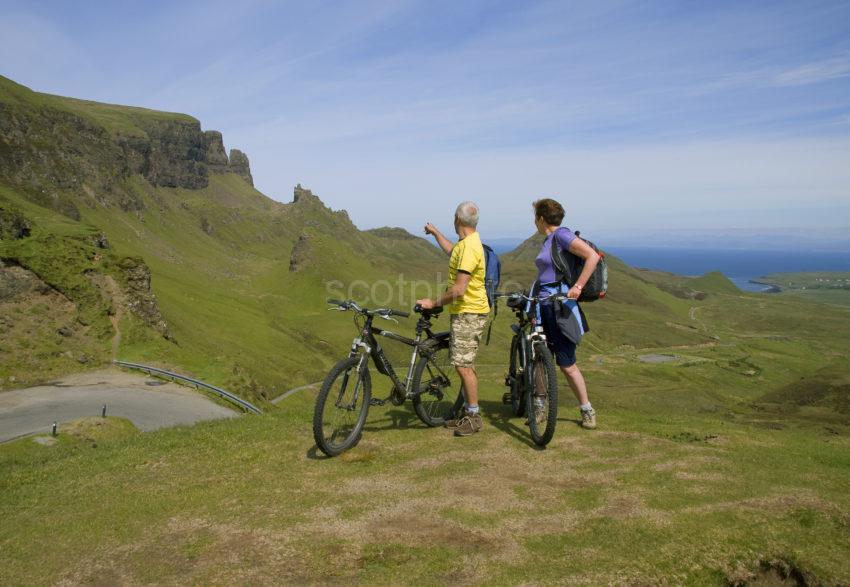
x=342 y=406
x=516 y=379
x=542 y=396
x=437 y=388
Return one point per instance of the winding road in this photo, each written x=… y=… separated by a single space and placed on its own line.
x=148 y=403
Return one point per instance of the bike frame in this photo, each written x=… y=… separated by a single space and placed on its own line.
x=367 y=345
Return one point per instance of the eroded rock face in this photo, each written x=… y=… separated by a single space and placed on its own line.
x=216 y=155
x=16 y=282
x=63 y=159
x=240 y=166
x=52 y=155
x=140 y=298
x=174 y=155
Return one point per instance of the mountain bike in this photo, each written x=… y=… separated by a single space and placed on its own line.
x=346 y=394
x=532 y=377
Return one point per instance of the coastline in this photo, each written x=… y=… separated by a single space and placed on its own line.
x=771 y=288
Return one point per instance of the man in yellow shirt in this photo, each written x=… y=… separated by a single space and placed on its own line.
x=468 y=307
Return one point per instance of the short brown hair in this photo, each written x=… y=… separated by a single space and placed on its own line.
x=550 y=210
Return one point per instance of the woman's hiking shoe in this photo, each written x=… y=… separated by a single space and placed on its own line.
x=469 y=424
x=588 y=419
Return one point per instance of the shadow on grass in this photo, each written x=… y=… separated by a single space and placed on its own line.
x=314 y=454
x=576 y=421
x=395 y=419
x=502 y=418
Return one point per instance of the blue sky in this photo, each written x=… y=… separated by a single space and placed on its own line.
x=636 y=115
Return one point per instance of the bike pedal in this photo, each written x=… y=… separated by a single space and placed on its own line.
x=506 y=397
x=376 y=402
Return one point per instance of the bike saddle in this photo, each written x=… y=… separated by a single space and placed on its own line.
x=428 y=313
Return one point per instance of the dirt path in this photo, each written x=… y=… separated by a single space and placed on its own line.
x=148 y=403
x=118 y=301
x=286 y=394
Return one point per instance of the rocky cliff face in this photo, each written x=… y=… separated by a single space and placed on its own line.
x=63 y=151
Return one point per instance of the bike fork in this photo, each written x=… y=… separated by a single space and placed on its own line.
x=344 y=385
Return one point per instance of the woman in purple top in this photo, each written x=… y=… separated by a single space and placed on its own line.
x=548 y=215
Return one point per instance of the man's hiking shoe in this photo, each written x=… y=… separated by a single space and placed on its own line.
x=588 y=419
x=454 y=422
x=469 y=424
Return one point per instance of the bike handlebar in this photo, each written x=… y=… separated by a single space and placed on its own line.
x=521 y=296
x=352 y=305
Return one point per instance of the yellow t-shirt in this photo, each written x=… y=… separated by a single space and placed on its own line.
x=468 y=256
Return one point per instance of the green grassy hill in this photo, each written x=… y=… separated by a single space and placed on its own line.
x=238 y=278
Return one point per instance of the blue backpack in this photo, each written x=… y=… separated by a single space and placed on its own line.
x=492 y=274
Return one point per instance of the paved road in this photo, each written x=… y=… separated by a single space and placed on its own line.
x=148 y=403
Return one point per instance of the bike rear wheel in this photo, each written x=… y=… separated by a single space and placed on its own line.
x=342 y=406
x=437 y=386
x=542 y=396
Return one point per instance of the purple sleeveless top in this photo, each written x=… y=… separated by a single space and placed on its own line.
x=545 y=266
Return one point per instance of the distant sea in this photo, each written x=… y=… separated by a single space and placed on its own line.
x=740 y=266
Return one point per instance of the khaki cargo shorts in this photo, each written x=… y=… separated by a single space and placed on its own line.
x=466 y=334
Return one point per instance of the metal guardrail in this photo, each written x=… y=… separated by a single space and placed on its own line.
x=175 y=376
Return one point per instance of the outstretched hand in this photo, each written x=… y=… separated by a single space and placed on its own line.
x=431 y=229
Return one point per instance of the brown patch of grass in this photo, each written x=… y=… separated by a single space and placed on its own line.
x=802 y=498
x=194 y=551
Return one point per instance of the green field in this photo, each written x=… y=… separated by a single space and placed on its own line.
x=829 y=287
x=727 y=464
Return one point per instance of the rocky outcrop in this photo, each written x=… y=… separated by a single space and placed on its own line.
x=15 y=282
x=240 y=166
x=13 y=225
x=216 y=157
x=300 y=256
x=303 y=195
x=140 y=298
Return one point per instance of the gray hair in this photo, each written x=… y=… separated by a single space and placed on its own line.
x=467 y=214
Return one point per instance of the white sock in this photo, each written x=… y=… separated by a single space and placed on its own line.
x=472 y=409
x=586 y=407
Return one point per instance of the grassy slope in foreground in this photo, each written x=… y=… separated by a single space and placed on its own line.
x=702 y=468
x=692 y=499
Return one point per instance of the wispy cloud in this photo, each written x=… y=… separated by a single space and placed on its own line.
x=813 y=73
x=389 y=101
